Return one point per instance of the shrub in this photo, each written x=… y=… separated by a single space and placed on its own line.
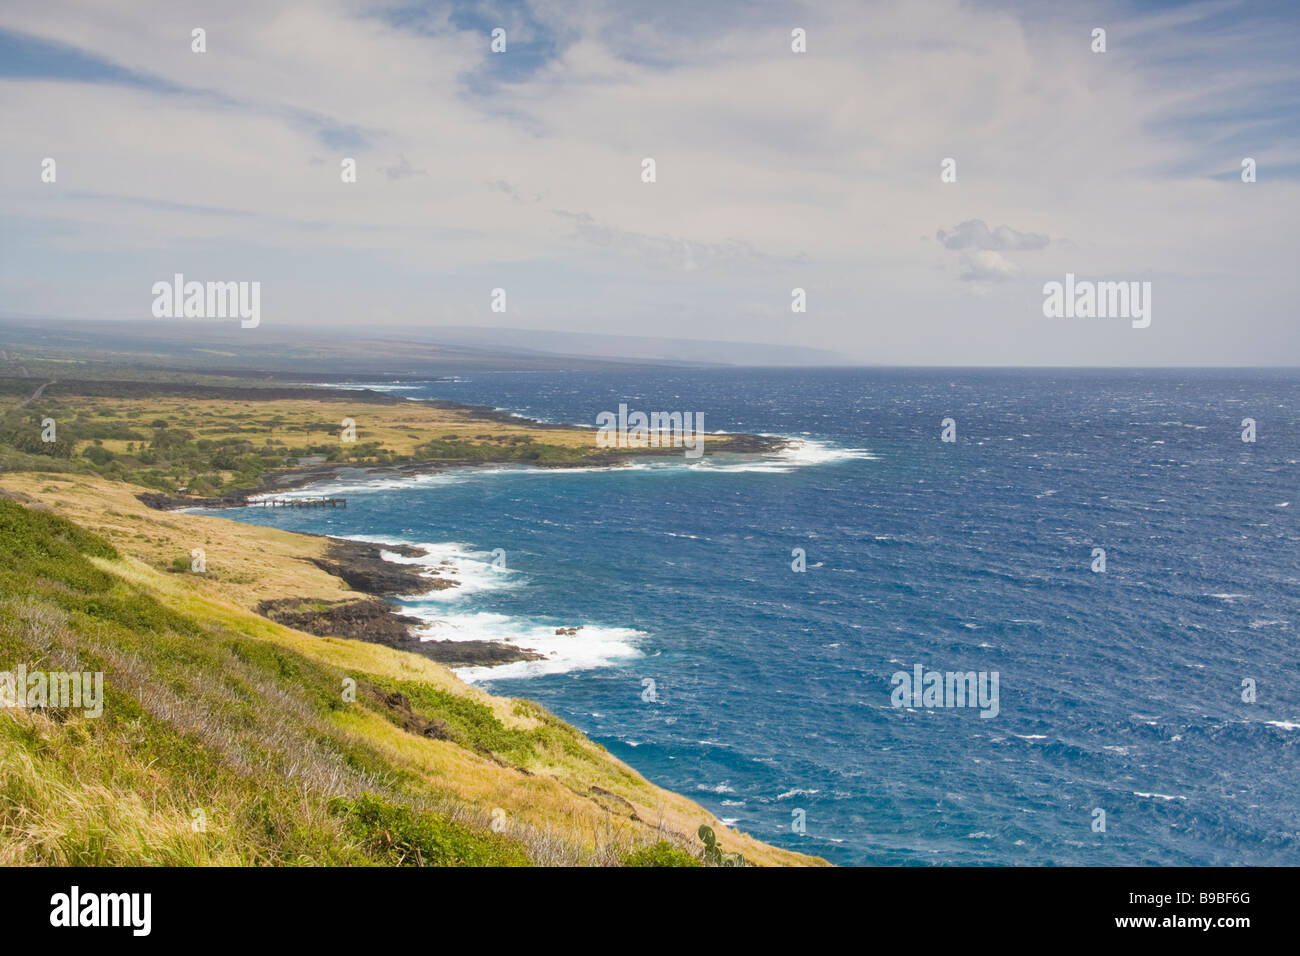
x=662 y=853
x=398 y=837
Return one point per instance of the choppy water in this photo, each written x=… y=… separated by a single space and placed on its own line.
x=1119 y=691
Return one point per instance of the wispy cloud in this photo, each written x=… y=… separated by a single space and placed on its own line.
x=975 y=234
x=775 y=169
x=666 y=251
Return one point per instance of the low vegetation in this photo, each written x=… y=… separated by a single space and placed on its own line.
x=212 y=439
x=212 y=444
x=226 y=738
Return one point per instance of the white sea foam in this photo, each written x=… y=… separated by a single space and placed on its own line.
x=800 y=453
x=797 y=792
x=723 y=787
x=371 y=386
x=592 y=646
x=472 y=571
x=366 y=484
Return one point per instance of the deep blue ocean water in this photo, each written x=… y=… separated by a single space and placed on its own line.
x=1120 y=691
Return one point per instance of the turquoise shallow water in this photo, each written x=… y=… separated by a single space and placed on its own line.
x=1119 y=691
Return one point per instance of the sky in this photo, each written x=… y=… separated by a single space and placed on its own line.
x=774 y=169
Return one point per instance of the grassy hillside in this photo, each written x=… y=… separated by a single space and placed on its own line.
x=229 y=739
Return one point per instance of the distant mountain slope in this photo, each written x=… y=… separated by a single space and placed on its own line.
x=365 y=351
x=631 y=347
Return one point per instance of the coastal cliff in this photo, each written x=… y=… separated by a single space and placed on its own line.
x=244 y=722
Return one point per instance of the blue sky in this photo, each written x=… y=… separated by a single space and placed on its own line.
x=776 y=170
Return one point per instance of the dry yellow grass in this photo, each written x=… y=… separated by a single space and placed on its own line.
x=245 y=563
x=399 y=427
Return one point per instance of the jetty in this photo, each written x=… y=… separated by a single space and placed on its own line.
x=301 y=503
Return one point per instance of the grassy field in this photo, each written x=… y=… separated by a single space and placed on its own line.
x=229 y=739
x=223 y=441
x=213 y=445
x=245 y=563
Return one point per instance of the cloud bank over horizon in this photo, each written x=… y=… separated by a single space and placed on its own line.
x=774 y=170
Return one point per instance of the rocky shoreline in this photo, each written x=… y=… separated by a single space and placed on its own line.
x=375 y=621
x=363 y=568
x=361 y=565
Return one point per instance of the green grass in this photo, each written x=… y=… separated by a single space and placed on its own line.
x=218 y=448
x=395 y=836
x=227 y=739
x=196 y=718
x=662 y=853
x=521 y=451
x=474 y=726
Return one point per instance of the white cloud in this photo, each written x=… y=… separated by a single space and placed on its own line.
x=774 y=170
x=975 y=234
x=985 y=264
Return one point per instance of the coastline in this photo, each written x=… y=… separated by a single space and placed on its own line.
x=347 y=596
x=565 y=796
x=374 y=617
x=295 y=479
x=394 y=438
x=379 y=615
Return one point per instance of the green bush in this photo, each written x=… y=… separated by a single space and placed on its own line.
x=398 y=837
x=662 y=853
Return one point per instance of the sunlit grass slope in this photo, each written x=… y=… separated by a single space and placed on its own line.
x=229 y=739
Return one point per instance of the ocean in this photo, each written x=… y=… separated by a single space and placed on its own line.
x=1147 y=713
